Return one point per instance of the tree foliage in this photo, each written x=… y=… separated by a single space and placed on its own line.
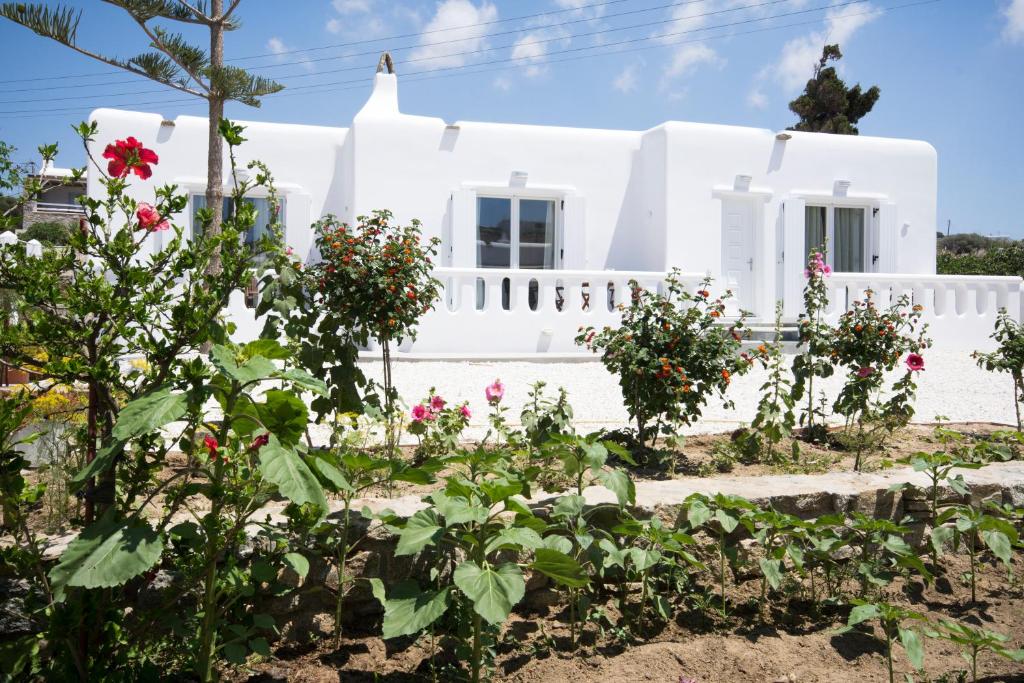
x=827 y=105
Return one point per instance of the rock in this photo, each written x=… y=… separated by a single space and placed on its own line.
x=14 y=619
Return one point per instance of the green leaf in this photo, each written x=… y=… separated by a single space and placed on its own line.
x=107 y=554
x=254 y=369
x=862 y=613
x=268 y=348
x=303 y=379
x=568 y=507
x=559 y=543
x=727 y=521
x=409 y=610
x=421 y=530
x=103 y=460
x=284 y=467
x=260 y=646
x=457 y=510
x=331 y=473
x=559 y=567
x=236 y=653
x=912 y=644
x=619 y=483
x=492 y=590
x=697 y=512
x=772 y=570
x=146 y=414
x=284 y=414
x=643 y=558
x=298 y=563
x=999 y=544
x=515 y=537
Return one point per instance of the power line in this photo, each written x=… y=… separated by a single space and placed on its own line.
x=472 y=69
x=603 y=3
x=737 y=8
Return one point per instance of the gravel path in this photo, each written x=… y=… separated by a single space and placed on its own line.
x=951 y=386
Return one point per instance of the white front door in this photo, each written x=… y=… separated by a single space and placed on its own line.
x=738 y=252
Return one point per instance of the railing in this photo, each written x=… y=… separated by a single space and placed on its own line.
x=55 y=207
x=491 y=310
x=960 y=310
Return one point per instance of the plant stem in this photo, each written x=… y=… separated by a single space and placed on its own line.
x=342 y=560
x=477 y=647
x=721 y=569
x=888 y=653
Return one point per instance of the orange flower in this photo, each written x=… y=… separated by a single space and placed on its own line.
x=715 y=314
x=725 y=375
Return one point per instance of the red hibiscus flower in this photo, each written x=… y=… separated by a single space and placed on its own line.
x=149 y=218
x=915 y=362
x=259 y=442
x=129 y=156
x=211 y=445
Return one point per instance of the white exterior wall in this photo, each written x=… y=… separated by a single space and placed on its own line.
x=639 y=201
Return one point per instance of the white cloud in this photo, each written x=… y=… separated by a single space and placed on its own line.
x=757 y=99
x=333 y=26
x=276 y=45
x=351 y=6
x=1014 y=29
x=454 y=21
x=530 y=51
x=686 y=59
x=503 y=84
x=796 y=63
x=625 y=82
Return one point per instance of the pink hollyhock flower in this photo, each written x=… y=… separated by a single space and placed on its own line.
x=419 y=412
x=129 y=156
x=465 y=411
x=915 y=362
x=494 y=392
x=289 y=251
x=865 y=371
x=827 y=269
x=259 y=442
x=436 y=403
x=149 y=218
x=211 y=445
x=431 y=415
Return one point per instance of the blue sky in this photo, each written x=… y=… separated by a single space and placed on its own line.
x=951 y=72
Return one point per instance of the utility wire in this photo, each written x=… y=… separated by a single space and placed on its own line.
x=527 y=61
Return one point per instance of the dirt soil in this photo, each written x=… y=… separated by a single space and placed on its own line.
x=793 y=643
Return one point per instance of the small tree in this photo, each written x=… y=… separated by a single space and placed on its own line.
x=1008 y=356
x=670 y=353
x=174 y=62
x=827 y=105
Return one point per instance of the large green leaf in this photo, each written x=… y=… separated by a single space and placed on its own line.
x=912 y=644
x=492 y=590
x=457 y=510
x=268 y=348
x=697 y=512
x=284 y=414
x=515 y=537
x=421 y=530
x=254 y=369
x=148 y=413
x=560 y=567
x=303 y=379
x=283 y=466
x=999 y=544
x=104 y=458
x=409 y=610
x=107 y=554
x=772 y=570
x=619 y=483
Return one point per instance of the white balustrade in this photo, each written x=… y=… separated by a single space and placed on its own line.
x=960 y=310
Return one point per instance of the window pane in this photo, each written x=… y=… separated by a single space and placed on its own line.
x=536 y=233
x=199 y=202
x=849 y=247
x=494 y=232
x=814 y=229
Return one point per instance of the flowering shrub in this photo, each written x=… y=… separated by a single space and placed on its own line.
x=376 y=277
x=437 y=425
x=671 y=354
x=813 y=361
x=1008 y=356
x=868 y=342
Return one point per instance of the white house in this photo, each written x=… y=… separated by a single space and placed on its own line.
x=542 y=227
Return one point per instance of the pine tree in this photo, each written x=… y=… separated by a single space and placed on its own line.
x=827 y=105
x=172 y=61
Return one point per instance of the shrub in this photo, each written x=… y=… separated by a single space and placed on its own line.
x=1007 y=259
x=671 y=354
x=437 y=425
x=814 y=332
x=869 y=342
x=376 y=277
x=52 y=233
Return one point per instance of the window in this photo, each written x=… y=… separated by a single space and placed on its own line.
x=844 y=228
x=513 y=232
x=255 y=233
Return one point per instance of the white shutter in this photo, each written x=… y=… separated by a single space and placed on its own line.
x=463 y=229
x=888 y=235
x=574 y=233
x=794 y=255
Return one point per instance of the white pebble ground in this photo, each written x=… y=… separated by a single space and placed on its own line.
x=951 y=386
